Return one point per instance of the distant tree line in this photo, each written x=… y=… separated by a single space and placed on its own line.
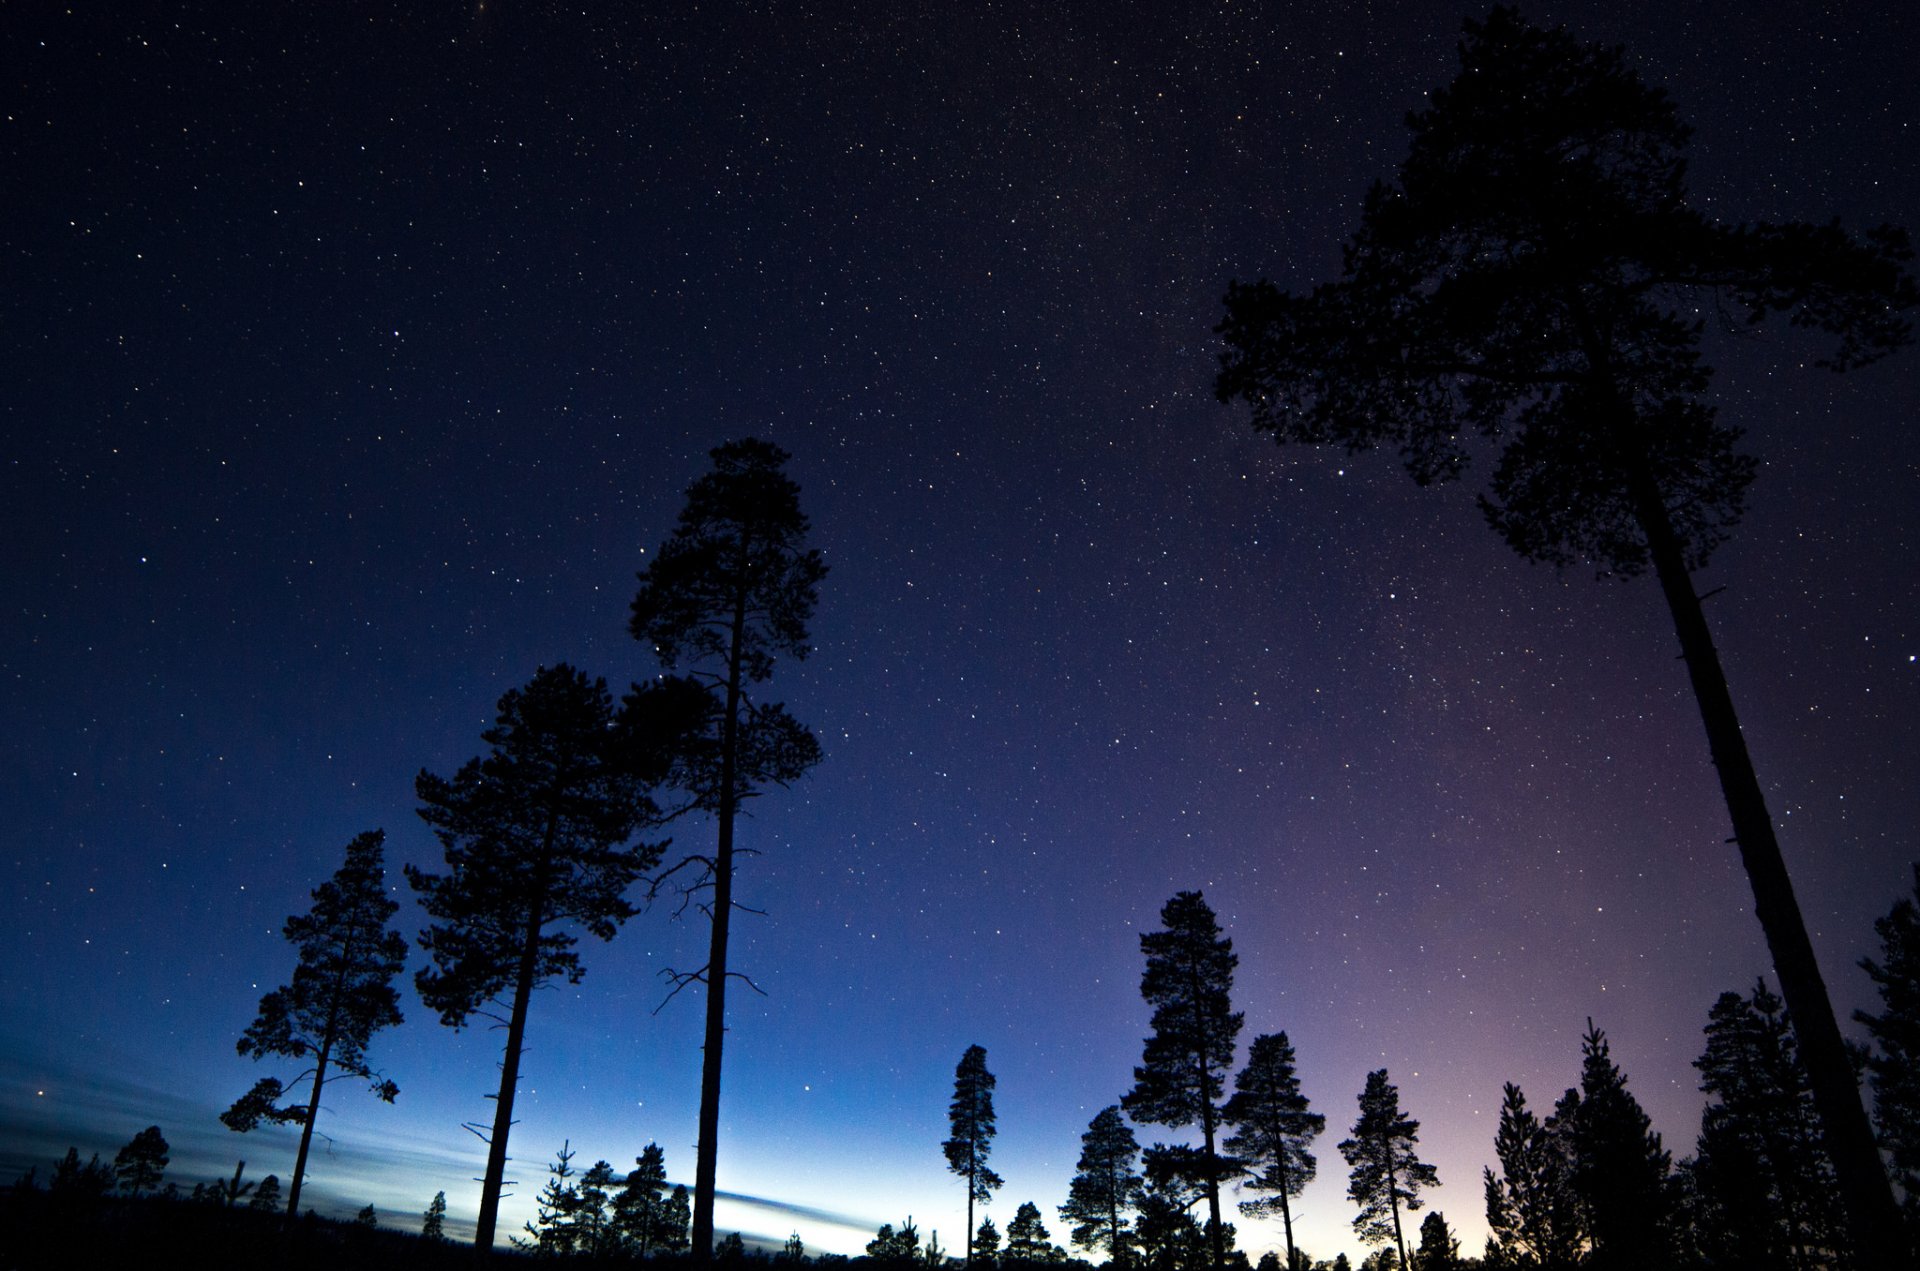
x=1589 y=1186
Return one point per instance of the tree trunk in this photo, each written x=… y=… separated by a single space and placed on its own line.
x=509 y=1082
x=306 y=1131
x=1864 y=1190
x=707 y=1154
x=969 y=1219
x=1286 y=1212
x=1217 y=1233
x=1393 y=1199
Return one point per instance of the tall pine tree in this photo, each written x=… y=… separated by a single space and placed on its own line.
x=1273 y=1130
x=1536 y=277
x=1387 y=1176
x=732 y=590
x=538 y=838
x=340 y=995
x=1182 y=1075
x=970 y=1117
x=1106 y=1188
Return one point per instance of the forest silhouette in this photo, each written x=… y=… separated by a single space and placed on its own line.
x=1526 y=289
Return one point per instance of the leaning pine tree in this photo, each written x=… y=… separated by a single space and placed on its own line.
x=340 y=995
x=538 y=837
x=970 y=1116
x=1182 y=1075
x=733 y=588
x=1535 y=275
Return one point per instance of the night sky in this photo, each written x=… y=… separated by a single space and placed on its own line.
x=355 y=354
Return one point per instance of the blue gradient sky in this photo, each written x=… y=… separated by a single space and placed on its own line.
x=352 y=361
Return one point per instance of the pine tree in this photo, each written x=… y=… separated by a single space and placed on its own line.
x=642 y=1212
x=556 y=1231
x=1387 y=1176
x=536 y=837
x=676 y=1230
x=1028 y=1240
x=795 y=1250
x=366 y=1217
x=266 y=1197
x=141 y=1163
x=1439 y=1250
x=731 y=1251
x=1182 y=1075
x=986 y=1243
x=1620 y=1171
x=433 y=1224
x=1533 y=1211
x=970 y=1117
x=1760 y=1165
x=340 y=995
x=1536 y=277
x=732 y=588
x=1106 y=1188
x=1274 y=1130
x=1893 y=1066
x=599 y=1237
x=895 y=1248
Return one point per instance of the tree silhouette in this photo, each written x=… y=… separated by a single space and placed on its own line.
x=231 y=1191
x=266 y=1198
x=1620 y=1170
x=733 y=587
x=970 y=1116
x=1533 y=1211
x=340 y=995
x=1438 y=1250
x=1274 y=1129
x=536 y=835
x=644 y=1212
x=140 y=1165
x=1894 y=1065
x=433 y=1224
x=1535 y=276
x=1761 y=1166
x=1028 y=1240
x=986 y=1242
x=1387 y=1176
x=1182 y=1074
x=1106 y=1187
x=895 y=1248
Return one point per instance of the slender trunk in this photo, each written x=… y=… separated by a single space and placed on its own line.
x=306 y=1131
x=509 y=1079
x=1864 y=1190
x=1286 y=1210
x=1217 y=1232
x=707 y=1154
x=970 y=1173
x=1393 y=1198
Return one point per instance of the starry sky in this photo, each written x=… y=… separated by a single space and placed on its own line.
x=354 y=354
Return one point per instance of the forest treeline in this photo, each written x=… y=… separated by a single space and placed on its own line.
x=1531 y=284
x=1588 y=1186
